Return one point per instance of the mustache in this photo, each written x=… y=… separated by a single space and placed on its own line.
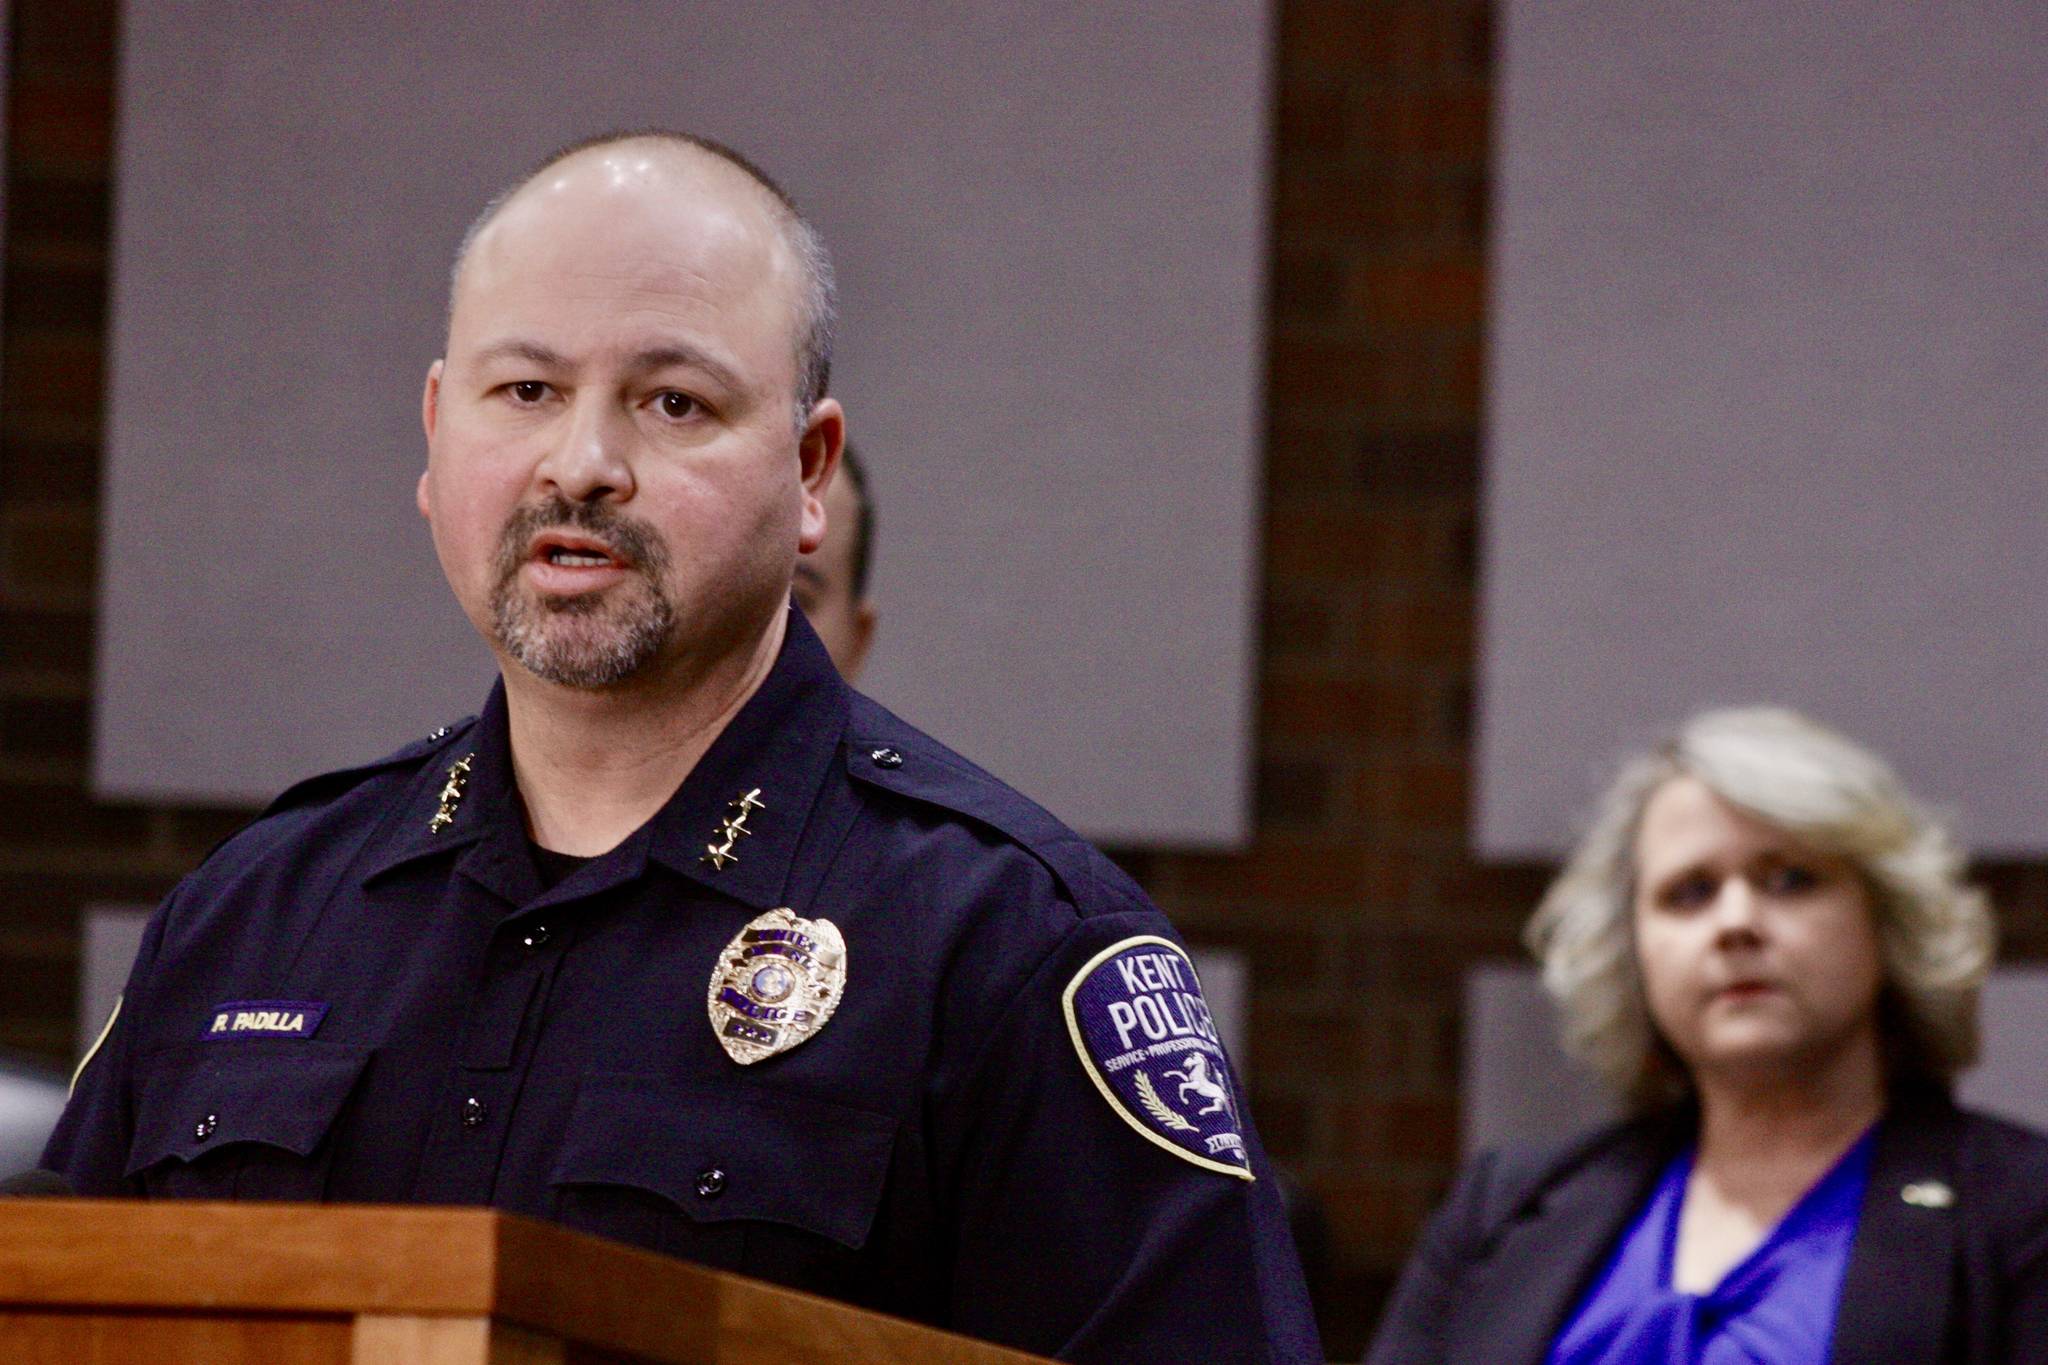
x=632 y=541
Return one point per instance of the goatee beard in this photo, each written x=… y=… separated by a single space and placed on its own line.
x=591 y=640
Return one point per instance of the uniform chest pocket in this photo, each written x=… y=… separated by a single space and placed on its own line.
x=242 y=1120
x=776 y=1185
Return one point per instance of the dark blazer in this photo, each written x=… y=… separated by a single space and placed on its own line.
x=1950 y=1262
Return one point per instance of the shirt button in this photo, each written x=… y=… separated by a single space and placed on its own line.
x=537 y=936
x=203 y=1129
x=473 y=1112
x=887 y=758
x=710 y=1183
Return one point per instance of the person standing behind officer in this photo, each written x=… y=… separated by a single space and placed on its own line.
x=681 y=941
x=832 y=581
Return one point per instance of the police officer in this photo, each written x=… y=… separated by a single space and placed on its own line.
x=681 y=941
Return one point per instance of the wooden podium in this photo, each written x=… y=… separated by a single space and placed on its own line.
x=108 y=1282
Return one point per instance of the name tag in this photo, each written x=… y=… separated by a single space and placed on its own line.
x=266 y=1019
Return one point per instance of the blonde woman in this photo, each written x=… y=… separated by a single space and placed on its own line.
x=1767 y=948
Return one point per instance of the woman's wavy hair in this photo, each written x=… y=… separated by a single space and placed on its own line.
x=1935 y=933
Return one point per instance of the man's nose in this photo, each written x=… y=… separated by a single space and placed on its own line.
x=591 y=460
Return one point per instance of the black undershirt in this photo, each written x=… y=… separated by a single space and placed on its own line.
x=554 y=868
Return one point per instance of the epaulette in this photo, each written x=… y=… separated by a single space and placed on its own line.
x=884 y=752
x=327 y=785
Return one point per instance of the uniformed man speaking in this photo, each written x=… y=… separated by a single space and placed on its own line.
x=680 y=941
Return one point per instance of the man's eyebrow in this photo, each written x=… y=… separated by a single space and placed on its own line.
x=516 y=349
x=689 y=357
x=640 y=362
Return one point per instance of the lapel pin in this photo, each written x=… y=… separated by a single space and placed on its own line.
x=1928 y=1194
x=732 y=829
x=451 y=794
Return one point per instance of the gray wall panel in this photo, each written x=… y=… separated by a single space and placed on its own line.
x=1768 y=394
x=1049 y=221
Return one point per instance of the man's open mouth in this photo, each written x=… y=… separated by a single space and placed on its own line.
x=576 y=553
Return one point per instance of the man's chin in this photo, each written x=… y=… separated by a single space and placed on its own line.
x=579 y=649
x=582 y=673
x=578 y=604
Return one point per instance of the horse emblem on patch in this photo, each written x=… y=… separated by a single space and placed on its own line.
x=776 y=984
x=1145 y=1037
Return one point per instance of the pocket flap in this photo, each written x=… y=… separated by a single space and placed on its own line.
x=205 y=1096
x=811 y=1164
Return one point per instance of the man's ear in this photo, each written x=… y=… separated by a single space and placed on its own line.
x=430 y=413
x=430 y=398
x=824 y=436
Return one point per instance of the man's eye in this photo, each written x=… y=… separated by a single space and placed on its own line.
x=677 y=405
x=529 y=391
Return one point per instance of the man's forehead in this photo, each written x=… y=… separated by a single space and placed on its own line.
x=647 y=216
x=640 y=171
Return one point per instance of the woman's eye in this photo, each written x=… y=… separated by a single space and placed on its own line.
x=677 y=405
x=1688 y=892
x=529 y=391
x=1790 y=879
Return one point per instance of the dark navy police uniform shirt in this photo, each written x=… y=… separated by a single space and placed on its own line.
x=1011 y=1126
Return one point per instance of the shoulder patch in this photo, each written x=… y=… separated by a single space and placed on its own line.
x=1136 y=1015
x=94 y=1050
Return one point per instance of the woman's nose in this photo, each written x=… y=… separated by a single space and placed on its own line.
x=1735 y=907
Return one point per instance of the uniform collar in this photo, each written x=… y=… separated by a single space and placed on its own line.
x=483 y=804
x=777 y=751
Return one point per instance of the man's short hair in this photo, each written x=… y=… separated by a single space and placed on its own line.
x=820 y=307
x=855 y=472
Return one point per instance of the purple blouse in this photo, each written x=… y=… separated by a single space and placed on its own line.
x=1775 y=1307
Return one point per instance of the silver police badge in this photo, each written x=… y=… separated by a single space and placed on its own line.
x=776 y=984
